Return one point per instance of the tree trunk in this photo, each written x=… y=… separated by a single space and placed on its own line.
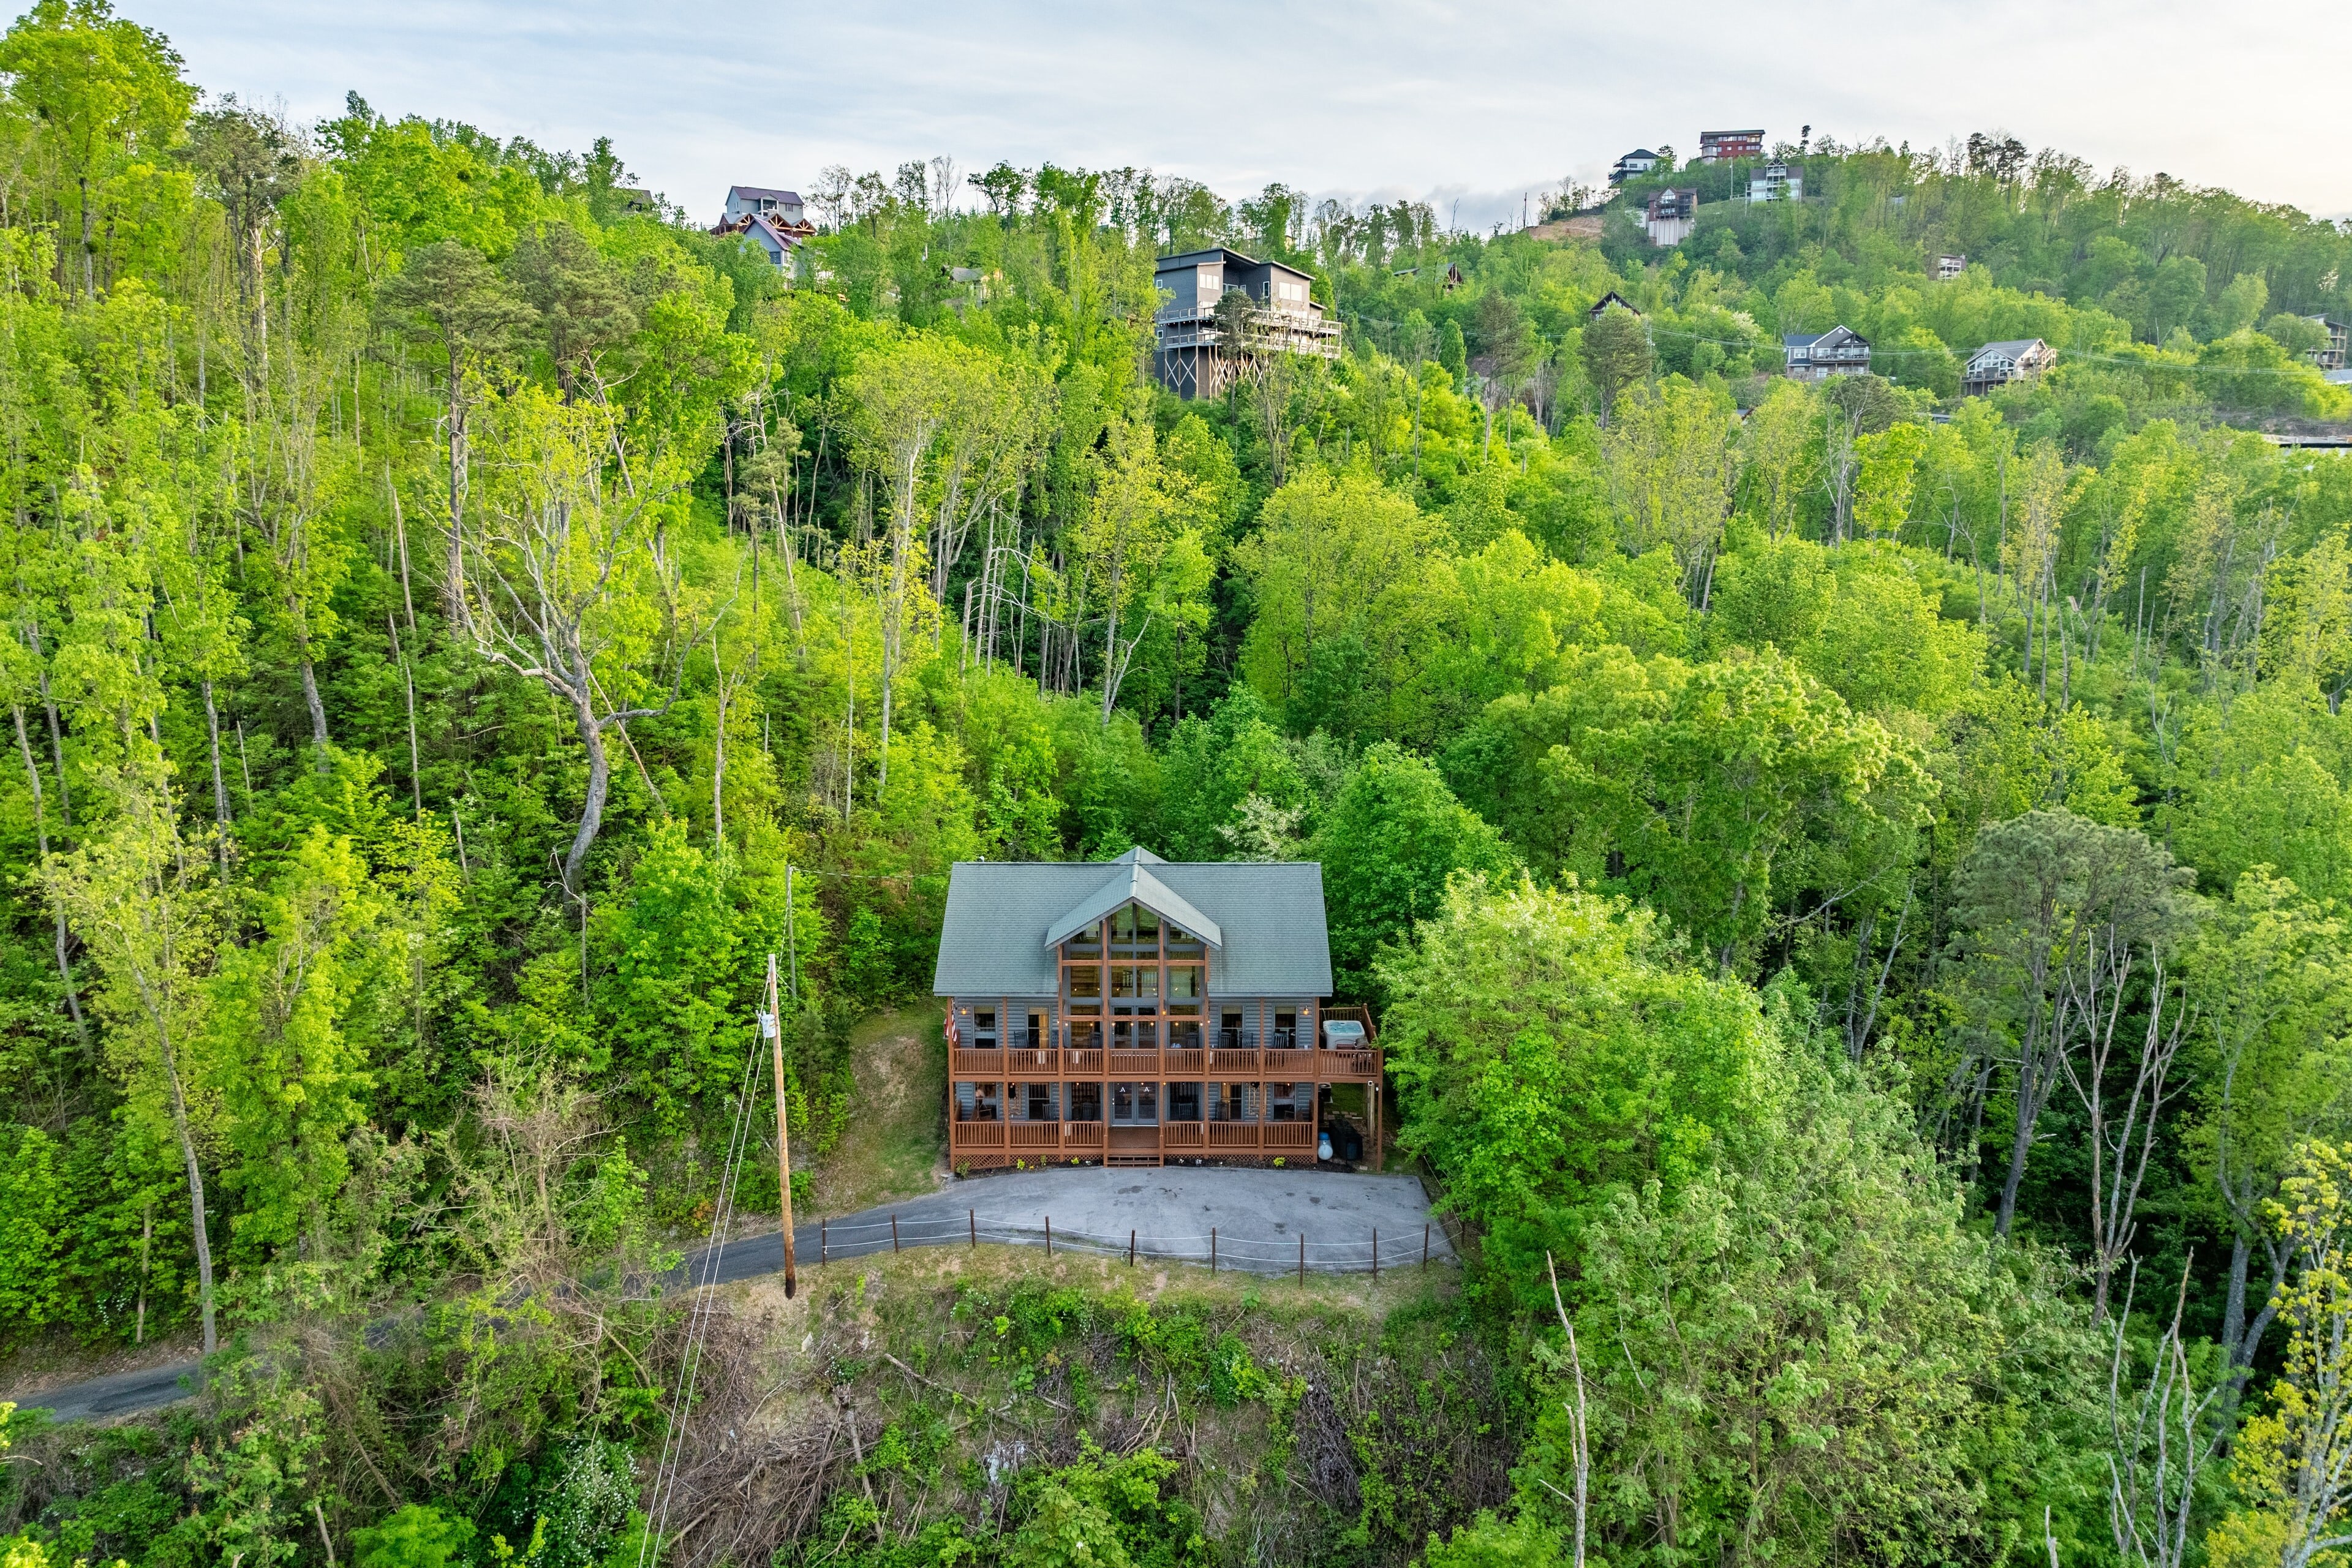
x=2020 y=1145
x=41 y=834
x=220 y=781
x=592 y=810
x=318 y=707
x=196 y=1185
x=89 y=250
x=2233 y=1314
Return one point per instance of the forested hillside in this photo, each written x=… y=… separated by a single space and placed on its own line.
x=1853 y=878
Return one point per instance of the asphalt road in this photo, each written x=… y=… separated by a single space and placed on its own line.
x=1259 y=1218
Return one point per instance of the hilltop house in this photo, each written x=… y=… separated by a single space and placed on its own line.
x=1611 y=297
x=1137 y=1011
x=1640 y=161
x=1670 y=215
x=1202 y=341
x=2334 y=356
x=1817 y=356
x=784 y=206
x=1776 y=182
x=1997 y=364
x=1949 y=266
x=1715 y=146
x=770 y=219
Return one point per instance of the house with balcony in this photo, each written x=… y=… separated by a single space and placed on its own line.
x=1670 y=215
x=1997 y=365
x=1817 y=356
x=1220 y=311
x=1776 y=182
x=771 y=219
x=1139 y=1012
x=1640 y=161
x=1722 y=146
x=2338 y=352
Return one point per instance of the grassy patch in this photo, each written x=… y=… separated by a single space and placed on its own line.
x=894 y=1144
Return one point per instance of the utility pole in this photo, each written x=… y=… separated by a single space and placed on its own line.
x=772 y=1023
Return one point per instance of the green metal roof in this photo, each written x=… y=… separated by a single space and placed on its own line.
x=1263 y=923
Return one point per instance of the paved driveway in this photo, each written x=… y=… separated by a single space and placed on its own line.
x=1259 y=1217
x=1259 y=1220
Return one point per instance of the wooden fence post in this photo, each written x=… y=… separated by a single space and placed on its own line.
x=973 y=1217
x=1049 y=1235
x=1302 y=1257
x=1213 y=1249
x=1376 y=1254
x=894 y=1235
x=1130 y=1249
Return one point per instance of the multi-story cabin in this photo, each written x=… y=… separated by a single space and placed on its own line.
x=1817 y=356
x=1670 y=215
x=1997 y=365
x=1202 y=341
x=1776 y=182
x=1949 y=266
x=1640 y=161
x=784 y=206
x=771 y=219
x=1139 y=1012
x=1716 y=146
x=2339 y=343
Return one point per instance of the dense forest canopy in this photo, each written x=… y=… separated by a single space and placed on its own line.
x=1852 y=876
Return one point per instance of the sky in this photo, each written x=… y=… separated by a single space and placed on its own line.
x=1470 y=107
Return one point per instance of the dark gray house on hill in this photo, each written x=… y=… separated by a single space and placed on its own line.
x=1202 y=342
x=1134 y=1011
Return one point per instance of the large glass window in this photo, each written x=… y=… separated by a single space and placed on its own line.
x=1183 y=1102
x=1134 y=989
x=1134 y=1103
x=984 y=1030
x=1036 y=1101
x=1085 y=988
x=1085 y=944
x=1135 y=934
x=1086 y=1102
x=1183 y=943
x=1134 y=1035
x=1183 y=988
x=1285 y=1102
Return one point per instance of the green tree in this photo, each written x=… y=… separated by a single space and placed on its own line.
x=1814 y=1358
x=1616 y=355
x=1394 y=839
x=1548 y=1051
x=2055 y=908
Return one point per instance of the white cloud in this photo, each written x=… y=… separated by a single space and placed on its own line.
x=1436 y=100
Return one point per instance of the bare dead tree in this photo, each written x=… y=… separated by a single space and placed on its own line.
x=567 y=581
x=2161 y=1437
x=2123 y=1137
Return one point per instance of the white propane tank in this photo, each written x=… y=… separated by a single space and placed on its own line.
x=1323 y=1148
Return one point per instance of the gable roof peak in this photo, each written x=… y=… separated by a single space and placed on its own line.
x=1133 y=884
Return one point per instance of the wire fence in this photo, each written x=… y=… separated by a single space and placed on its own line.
x=1368 y=1251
